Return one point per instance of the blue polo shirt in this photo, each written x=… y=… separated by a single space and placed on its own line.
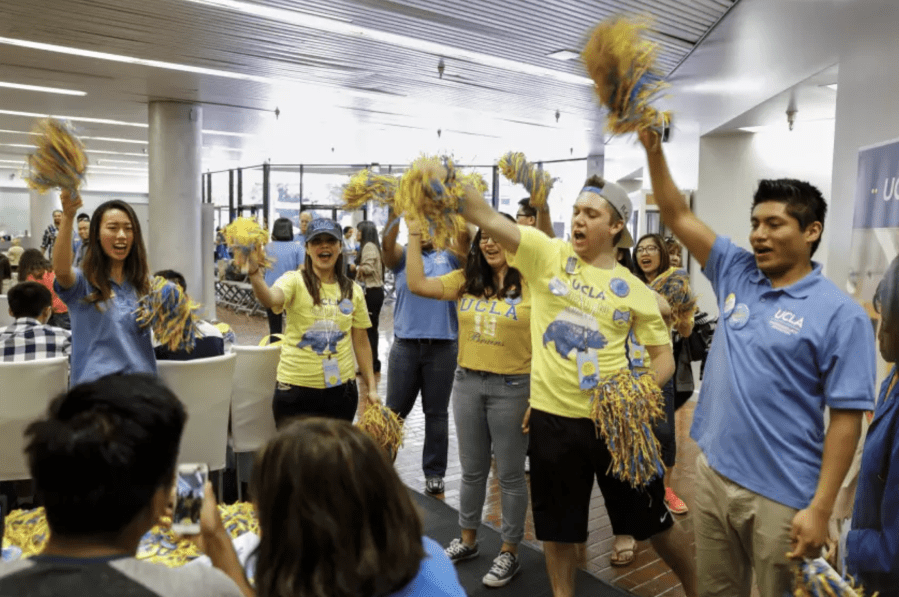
x=287 y=255
x=418 y=317
x=779 y=356
x=106 y=340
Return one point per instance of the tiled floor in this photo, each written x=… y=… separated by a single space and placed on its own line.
x=648 y=576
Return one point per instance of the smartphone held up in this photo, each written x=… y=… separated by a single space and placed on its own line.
x=189 y=491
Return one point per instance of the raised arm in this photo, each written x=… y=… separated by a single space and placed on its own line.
x=62 y=252
x=676 y=214
x=500 y=229
x=415 y=266
x=544 y=222
x=391 y=253
x=270 y=297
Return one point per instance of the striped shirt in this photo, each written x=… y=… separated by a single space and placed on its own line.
x=49 y=239
x=28 y=339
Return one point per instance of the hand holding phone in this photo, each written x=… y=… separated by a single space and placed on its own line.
x=189 y=491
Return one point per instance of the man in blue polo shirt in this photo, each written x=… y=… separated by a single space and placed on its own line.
x=789 y=343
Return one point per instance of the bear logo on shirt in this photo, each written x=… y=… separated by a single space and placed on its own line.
x=322 y=340
x=569 y=336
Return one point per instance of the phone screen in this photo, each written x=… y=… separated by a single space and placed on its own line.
x=189 y=497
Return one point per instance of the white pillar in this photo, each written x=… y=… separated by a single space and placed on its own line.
x=174 y=238
x=41 y=208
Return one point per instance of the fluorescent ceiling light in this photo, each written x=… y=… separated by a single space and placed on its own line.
x=19 y=162
x=564 y=55
x=105 y=161
x=111 y=139
x=751 y=129
x=42 y=89
x=832 y=86
x=140 y=155
x=73 y=118
x=25 y=145
x=213 y=148
x=116 y=168
x=227 y=133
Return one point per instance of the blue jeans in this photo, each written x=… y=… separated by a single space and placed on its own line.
x=488 y=409
x=417 y=365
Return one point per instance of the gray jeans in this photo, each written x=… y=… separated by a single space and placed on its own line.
x=488 y=409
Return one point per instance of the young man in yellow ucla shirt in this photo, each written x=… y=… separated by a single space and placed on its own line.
x=584 y=304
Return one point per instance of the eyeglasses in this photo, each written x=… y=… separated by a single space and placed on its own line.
x=521 y=215
x=485 y=239
x=647 y=249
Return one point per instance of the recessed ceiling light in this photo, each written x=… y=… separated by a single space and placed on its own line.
x=564 y=55
x=42 y=89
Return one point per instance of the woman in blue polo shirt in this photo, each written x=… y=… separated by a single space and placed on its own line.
x=872 y=546
x=287 y=256
x=103 y=294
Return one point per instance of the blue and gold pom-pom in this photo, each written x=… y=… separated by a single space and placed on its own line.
x=621 y=61
x=245 y=237
x=431 y=191
x=515 y=167
x=384 y=426
x=817 y=578
x=624 y=407
x=59 y=161
x=169 y=312
x=674 y=286
x=365 y=186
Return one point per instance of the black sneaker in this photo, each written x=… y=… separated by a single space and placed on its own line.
x=459 y=552
x=505 y=566
x=434 y=485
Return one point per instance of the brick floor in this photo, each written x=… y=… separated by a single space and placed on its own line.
x=648 y=576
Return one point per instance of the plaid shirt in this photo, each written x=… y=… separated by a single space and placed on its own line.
x=29 y=340
x=49 y=239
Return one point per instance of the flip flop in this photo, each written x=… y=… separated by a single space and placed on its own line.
x=625 y=556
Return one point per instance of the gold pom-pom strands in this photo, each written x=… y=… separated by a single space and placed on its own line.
x=515 y=167
x=621 y=61
x=365 y=186
x=245 y=237
x=675 y=287
x=170 y=313
x=623 y=408
x=384 y=426
x=816 y=578
x=26 y=531
x=59 y=161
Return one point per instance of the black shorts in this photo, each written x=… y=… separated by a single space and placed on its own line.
x=566 y=455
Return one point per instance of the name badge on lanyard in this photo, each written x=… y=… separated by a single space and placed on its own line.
x=587 y=369
x=331 y=371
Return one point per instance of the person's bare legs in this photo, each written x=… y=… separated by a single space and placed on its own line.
x=675 y=548
x=561 y=565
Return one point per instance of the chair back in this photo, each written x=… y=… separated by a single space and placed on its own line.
x=204 y=386
x=26 y=389
x=5 y=317
x=252 y=420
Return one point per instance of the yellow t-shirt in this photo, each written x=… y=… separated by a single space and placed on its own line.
x=313 y=333
x=494 y=334
x=580 y=313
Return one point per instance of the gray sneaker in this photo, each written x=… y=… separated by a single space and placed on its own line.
x=459 y=552
x=505 y=566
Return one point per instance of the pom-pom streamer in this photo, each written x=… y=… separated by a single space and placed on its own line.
x=816 y=578
x=623 y=408
x=384 y=426
x=170 y=313
x=365 y=186
x=515 y=167
x=622 y=64
x=674 y=285
x=59 y=161
x=245 y=237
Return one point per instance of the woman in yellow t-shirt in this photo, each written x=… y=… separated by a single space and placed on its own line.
x=326 y=319
x=490 y=390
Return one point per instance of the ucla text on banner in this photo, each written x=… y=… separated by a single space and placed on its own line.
x=877 y=187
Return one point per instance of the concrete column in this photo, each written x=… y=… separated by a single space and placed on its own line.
x=41 y=208
x=174 y=238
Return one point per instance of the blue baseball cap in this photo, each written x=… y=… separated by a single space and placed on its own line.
x=320 y=226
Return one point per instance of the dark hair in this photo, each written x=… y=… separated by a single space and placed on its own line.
x=335 y=520
x=664 y=258
x=804 y=202
x=614 y=217
x=346 y=229
x=5 y=268
x=314 y=284
x=672 y=245
x=369 y=234
x=29 y=299
x=479 y=274
x=172 y=275
x=525 y=207
x=32 y=260
x=624 y=258
x=96 y=265
x=102 y=452
x=282 y=229
x=82 y=217
x=886 y=297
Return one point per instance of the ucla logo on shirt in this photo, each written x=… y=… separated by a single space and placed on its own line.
x=440 y=260
x=490 y=307
x=590 y=291
x=786 y=322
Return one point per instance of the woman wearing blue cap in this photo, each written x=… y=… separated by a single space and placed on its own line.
x=326 y=317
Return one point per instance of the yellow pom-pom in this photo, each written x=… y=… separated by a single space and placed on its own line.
x=515 y=167
x=59 y=161
x=365 y=186
x=245 y=237
x=817 y=578
x=623 y=407
x=170 y=313
x=621 y=61
x=384 y=426
x=430 y=192
x=674 y=286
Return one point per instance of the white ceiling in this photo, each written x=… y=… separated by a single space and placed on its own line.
x=353 y=80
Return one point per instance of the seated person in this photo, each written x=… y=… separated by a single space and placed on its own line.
x=29 y=337
x=210 y=342
x=103 y=464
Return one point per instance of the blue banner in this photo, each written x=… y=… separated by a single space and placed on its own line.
x=877 y=187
